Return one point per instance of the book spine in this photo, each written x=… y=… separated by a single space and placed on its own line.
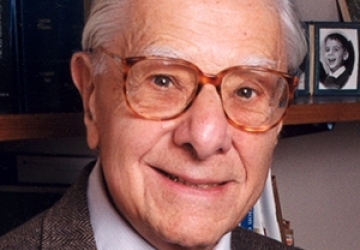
x=49 y=31
x=248 y=221
x=8 y=94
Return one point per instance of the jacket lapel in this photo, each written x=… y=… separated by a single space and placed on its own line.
x=67 y=224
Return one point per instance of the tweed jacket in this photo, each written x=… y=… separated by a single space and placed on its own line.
x=67 y=225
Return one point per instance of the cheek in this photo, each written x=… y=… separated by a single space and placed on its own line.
x=340 y=56
x=255 y=151
x=126 y=139
x=122 y=137
x=122 y=151
x=122 y=154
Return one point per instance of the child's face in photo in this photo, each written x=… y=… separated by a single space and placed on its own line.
x=335 y=54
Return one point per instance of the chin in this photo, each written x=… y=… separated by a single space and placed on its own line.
x=192 y=242
x=188 y=237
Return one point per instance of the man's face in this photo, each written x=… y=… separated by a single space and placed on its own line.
x=189 y=180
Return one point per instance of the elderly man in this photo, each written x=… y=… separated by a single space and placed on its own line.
x=183 y=101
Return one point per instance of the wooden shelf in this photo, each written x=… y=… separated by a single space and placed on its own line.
x=321 y=109
x=33 y=188
x=305 y=110
x=33 y=126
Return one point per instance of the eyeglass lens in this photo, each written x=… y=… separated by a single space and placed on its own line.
x=162 y=89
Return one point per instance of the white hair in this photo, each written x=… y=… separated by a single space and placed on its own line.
x=293 y=33
x=103 y=22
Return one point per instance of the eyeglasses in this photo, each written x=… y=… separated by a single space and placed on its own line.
x=254 y=98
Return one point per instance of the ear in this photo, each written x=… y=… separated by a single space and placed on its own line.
x=346 y=56
x=81 y=71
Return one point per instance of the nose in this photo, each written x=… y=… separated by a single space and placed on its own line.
x=204 y=128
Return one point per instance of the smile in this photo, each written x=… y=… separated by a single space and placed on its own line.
x=181 y=181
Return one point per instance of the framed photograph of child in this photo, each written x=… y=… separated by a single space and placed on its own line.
x=336 y=58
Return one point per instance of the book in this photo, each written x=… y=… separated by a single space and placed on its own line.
x=49 y=33
x=8 y=87
x=248 y=221
x=8 y=174
x=265 y=213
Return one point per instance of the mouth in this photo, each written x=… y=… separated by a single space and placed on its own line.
x=178 y=180
x=331 y=61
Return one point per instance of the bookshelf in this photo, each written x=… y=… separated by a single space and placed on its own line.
x=36 y=126
x=305 y=110
x=320 y=109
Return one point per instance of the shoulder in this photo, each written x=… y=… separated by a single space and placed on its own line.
x=244 y=239
x=342 y=79
x=67 y=222
x=27 y=236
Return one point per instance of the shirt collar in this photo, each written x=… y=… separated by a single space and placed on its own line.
x=111 y=231
x=338 y=72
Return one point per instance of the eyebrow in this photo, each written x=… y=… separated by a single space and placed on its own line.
x=259 y=61
x=170 y=52
x=163 y=51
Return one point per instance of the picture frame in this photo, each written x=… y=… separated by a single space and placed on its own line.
x=303 y=78
x=336 y=58
x=303 y=88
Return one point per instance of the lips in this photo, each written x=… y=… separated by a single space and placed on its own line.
x=331 y=61
x=181 y=181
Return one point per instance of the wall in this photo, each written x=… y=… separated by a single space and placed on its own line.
x=318 y=179
x=318 y=175
x=317 y=10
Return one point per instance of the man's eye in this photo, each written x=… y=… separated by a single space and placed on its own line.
x=246 y=93
x=162 y=81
